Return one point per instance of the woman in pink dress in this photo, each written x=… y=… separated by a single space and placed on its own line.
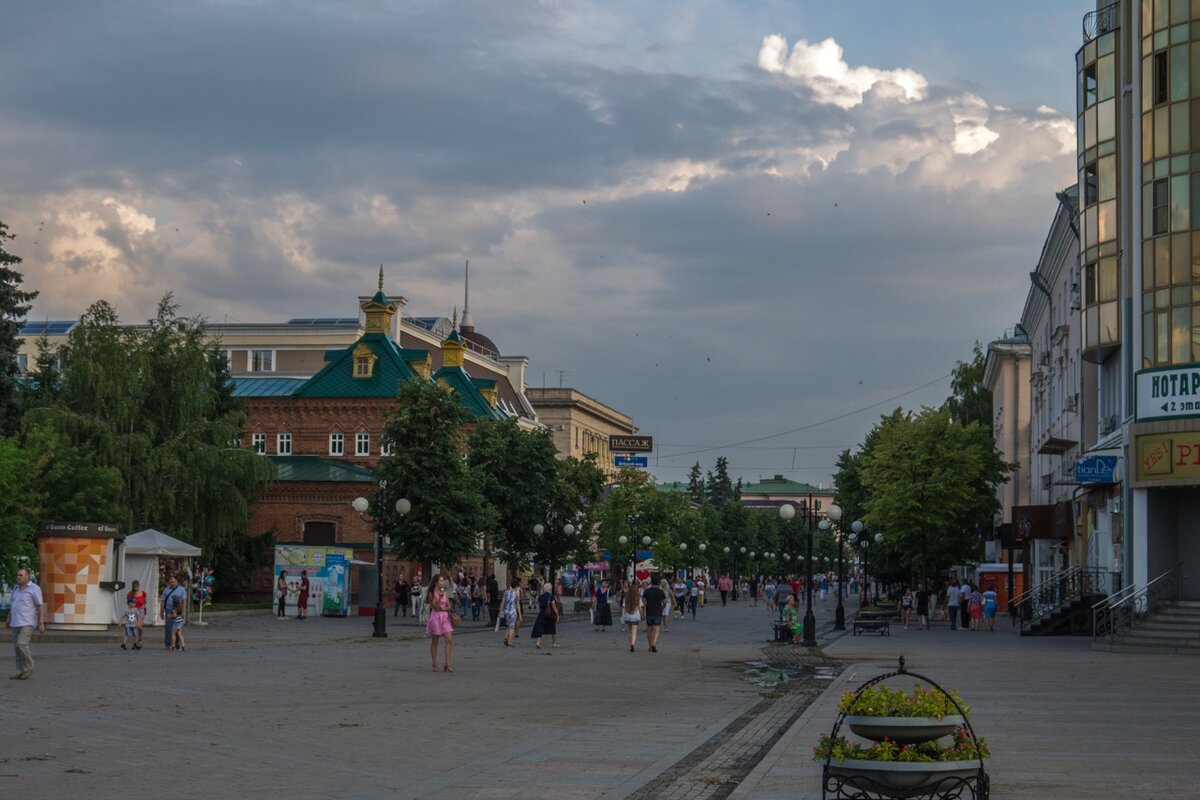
x=439 y=621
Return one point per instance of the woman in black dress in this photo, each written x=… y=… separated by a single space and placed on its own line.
x=602 y=612
x=547 y=618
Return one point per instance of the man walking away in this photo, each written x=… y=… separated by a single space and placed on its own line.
x=654 y=599
x=923 y=607
x=952 y=604
x=27 y=612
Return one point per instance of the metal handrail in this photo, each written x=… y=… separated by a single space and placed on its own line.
x=1102 y=20
x=1115 y=598
x=1110 y=620
x=1059 y=590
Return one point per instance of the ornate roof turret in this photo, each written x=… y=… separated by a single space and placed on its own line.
x=379 y=310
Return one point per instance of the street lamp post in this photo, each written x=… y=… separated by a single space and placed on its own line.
x=786 y=512
x=360 y=505
x=553 y=544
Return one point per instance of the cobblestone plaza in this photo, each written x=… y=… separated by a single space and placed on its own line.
x=260 y=707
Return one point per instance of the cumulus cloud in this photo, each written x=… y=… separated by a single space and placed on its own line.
x=822 y=67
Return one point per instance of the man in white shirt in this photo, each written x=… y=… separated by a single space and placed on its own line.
x=952 y=604
x=27 y=612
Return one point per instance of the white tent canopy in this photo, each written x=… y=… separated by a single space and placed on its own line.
x=144 y=552
x=156 y=543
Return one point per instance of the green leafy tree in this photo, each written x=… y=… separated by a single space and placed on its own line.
x=427 y=435
x=516 y=471
x=929 y=480
x=20 y=500
x=971 y=401
x=576 y=488
x=14 y=305
x=146 y=404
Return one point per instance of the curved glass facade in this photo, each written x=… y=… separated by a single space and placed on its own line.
x=1097 y=102
x=1170 y=161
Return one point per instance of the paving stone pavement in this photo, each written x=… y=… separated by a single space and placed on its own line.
x=260 y=707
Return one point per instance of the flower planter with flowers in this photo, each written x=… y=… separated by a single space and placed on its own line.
x=908 y=756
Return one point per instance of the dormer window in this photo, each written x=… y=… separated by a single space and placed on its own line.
x=364 y=362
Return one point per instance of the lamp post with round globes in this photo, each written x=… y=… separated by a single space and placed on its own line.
x=786 y=512
x=360 y=505
x=554 y=543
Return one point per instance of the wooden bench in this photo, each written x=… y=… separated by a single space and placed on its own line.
x=882 y=626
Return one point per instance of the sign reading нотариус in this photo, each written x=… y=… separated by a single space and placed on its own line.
x=1168 y=393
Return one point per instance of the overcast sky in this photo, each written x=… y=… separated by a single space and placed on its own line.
x=735 y=221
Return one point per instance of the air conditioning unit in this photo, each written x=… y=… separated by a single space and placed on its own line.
x=1071 y=403
x=1047 y=480
x=1108 y=424
x=1044 y=358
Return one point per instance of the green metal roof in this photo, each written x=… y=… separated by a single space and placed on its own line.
x=254 y=386
x=336 y=379
x=467 y=392
x=781 y=485
x=313 y=469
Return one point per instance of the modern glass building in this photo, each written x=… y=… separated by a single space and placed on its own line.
x=1138 y=96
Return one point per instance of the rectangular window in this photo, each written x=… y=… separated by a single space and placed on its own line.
x=259 y=442
x=362 y=367
x=337 y=444
x=262 y=360
x=1161 y=78
x=362 y=444
x=283 y=444
x=1089 y=85
x=1091 y=184
x=387 y=449
x=1161 y=207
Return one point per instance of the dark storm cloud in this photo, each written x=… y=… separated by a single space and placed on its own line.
x=284 y=150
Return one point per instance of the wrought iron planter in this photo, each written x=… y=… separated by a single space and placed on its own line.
x=905 y=730
x=926 y=780
x=905 y=778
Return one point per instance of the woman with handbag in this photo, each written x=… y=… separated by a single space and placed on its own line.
x=440 y=621
x=547 y=618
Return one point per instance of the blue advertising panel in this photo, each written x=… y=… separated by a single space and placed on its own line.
x=632 y=461
x=1096 y=469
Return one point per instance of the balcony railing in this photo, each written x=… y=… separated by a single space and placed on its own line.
x=1101 y=21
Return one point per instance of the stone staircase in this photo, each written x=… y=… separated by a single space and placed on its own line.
x=1173 y=630
x=1073 y=618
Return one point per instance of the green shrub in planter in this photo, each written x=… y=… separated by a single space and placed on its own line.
x=880 y=701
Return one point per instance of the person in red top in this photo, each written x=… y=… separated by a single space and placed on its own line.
x=135 y=603
x=796 y=586
x=724 y=585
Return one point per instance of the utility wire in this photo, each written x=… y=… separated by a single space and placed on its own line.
x=813 y=424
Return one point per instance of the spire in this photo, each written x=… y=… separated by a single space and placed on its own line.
x=467 y=324
x=379 y=310
x=454 y=320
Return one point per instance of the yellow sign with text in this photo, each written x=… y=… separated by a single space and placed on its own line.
x=1168 y=455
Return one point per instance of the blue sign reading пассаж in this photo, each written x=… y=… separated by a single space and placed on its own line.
x=1096 y=469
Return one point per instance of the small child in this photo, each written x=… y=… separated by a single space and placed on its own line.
x=131 y=631
x=177 y=630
